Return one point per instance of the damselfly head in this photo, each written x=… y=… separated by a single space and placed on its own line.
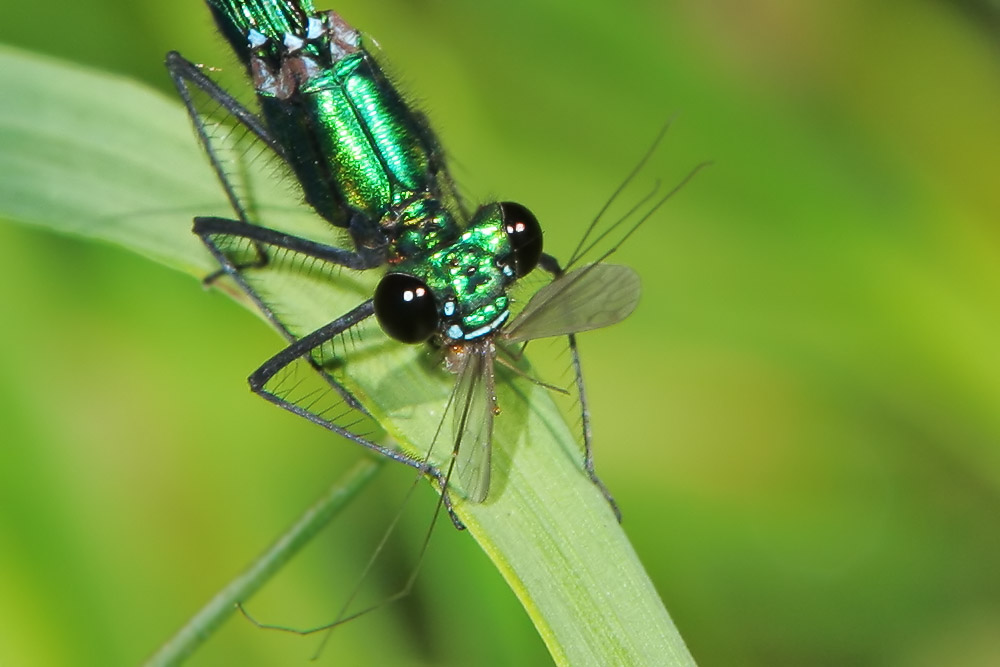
x=525 y=236
x=459 y=290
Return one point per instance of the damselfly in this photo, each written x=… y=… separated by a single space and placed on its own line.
x=367 y=164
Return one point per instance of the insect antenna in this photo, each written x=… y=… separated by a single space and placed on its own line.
x=648 y=214
x=575 y=256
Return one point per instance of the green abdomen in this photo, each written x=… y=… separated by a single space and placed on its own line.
x=354 y=145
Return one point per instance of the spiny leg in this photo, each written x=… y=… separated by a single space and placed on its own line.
x=184 y=72
x=206 y=227
x=462 y=405
x=261 y=377
x=203 y=99
x=211 y=230
x=302 y=349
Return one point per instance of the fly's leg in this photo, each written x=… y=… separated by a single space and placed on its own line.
x=551 y=265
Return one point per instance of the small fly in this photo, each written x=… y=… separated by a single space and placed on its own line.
x=365 y=162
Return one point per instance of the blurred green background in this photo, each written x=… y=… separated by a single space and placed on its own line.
x=801 y=422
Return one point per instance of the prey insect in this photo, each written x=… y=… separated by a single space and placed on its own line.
x=368 y=165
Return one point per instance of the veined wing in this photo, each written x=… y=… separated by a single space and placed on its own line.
x=471 y=410
x=591 y=297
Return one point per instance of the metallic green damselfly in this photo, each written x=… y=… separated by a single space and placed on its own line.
x=366 y=163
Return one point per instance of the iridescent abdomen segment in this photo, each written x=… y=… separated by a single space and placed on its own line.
x=354 y=145
x=270 y=18
x=352 y=142
x=365 y=137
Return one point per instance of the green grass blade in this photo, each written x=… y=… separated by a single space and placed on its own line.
x=96 y=156
x=223 y=605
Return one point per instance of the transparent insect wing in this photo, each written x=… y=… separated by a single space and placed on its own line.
x=473 y=407
x=591 y=297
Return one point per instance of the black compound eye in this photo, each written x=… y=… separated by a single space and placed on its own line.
x=525 y=236
x=405 y=308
